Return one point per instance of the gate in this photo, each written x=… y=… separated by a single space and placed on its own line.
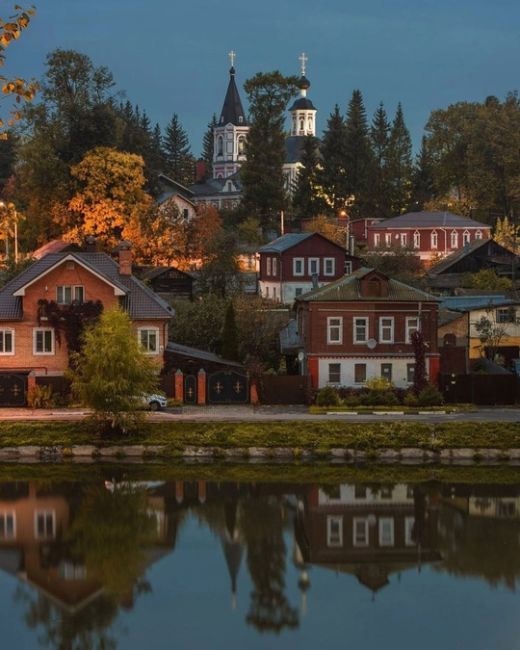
x=190 y=389
x=13 y=389
x=228 y=388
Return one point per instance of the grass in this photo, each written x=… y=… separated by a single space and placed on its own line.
x=319 y=410
x=317 y=436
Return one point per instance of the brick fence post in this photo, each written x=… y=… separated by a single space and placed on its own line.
x=201 y=387
x=179 y=385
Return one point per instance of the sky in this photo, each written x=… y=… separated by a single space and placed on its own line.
x=171 y=57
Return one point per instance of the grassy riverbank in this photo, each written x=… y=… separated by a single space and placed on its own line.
x=319 y=437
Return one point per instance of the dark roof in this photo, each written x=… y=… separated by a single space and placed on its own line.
x=170 y=187
x=429 y=220
x=152 y=272
x=447 y=316
x=215 y=186
x=293 y=148
x=304 y=83
x=283 y=243
x=348 y=288
x=138 y=300
x=302 y=103
x=202 y=355
x=467 y=249
x=232 y=109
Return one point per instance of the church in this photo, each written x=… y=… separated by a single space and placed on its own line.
x=224 y=189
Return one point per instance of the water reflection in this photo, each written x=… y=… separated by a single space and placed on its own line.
x=82 y=552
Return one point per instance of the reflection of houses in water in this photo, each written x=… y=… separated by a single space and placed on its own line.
x=366 y=531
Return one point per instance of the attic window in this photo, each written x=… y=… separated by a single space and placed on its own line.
x=374 y=287
x=70 y=266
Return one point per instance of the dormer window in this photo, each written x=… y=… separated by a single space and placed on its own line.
x=374 y=287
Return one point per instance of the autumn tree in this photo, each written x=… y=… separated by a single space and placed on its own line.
x=328 y=227
x=506 y=234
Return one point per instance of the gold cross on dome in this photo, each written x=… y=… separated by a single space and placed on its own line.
x=303 y=60
x=232 y=56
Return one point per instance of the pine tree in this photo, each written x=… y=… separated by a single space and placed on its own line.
x=422 y=178
x=334 y=172
x=307 y=198
x=208 y=146
x=379 y=137
x=180 y=163
x=230 y=335
x=358 y=156
x=399 y=164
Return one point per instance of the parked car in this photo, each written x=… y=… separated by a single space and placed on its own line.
x=155 y=401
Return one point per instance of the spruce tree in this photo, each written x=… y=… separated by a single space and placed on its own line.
x=179 y=161
x=379 y=138
x=307 y=198
x=399 y=164
x=334 y=173
x=208 y=146
x=230 y=335
x=358 y=156
x=422 y=178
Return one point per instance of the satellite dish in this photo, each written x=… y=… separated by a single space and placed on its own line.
x=371 y=344
x=301 y=356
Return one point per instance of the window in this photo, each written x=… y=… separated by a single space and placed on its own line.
x=412 y=325
x=275 y=266
x=43 y=340
x=506 y=315
x=454 y=239
x=334 y=531
x=360 y=373
x=329 y=266
x=334 y=373
x=70 y=571
x=267 y=292
x=6 y=342
x=348 y=267
x=65 y=295
x=45 y=524
x=386 y=330
x=314 y=265
x=386 y=492
x=241 y=145
x=403 y=238
x=434 y=239
x=7 y=525
x=298 y=268
x=220 y=146
x=360 y=330
x=386 y=371
x=417 y=239
x=185 y=214
x=478 y=234
x=149 y=339
x=386 y=531
x=334 y=330
x=408 y=531
x=268 y=266
x=377 y=240
x=360 y=492
x=298 y=291
x=360 y=532
x=388 y=240
x=410 y=372
x=465 y=237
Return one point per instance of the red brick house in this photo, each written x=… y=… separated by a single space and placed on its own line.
x=359 y=327
x=431 y=234
x=289 y=263
x=29 y=347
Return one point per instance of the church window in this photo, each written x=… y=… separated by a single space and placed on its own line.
x=302 y=126
x=417 y=239
x=465 y=237
x=220 y=146
x=388 y=239
x=241 y=146
x=454 y=239
x=403 y=239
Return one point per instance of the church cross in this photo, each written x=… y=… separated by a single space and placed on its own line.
x=303 y=60
x=232 y=55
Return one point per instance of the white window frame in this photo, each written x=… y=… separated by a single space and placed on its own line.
x=434 y=240
x=355 y=320
x=377 y=240
x=45 y=513
x=382 y=521
x=388 y=239
x=301 y=261
x=332 y=261
x=335 y=542
x=403 y=238
x=410 y=366
x=275 y=266
x=3 y=332
x=333 y=327
x=310 y=262
x=348 y=267
x=466 y=237
x=53 y=341
x=408 y=528
x=355 y=522
x=330 y=381
x=417 y=239
x=383 y=327
x=478 y=234
x=4 y=514
x=361 y=381
x=268 y=266
x=454 y=239
x=412 y=328
x=145 y=349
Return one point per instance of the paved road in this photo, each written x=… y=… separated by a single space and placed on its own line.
x=272 y=413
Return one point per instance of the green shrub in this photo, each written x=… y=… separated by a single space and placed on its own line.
x=40 y=397
x=430 y=396
x=410 y=399
x=379 y=384
x=174 y=403
x=327 y=396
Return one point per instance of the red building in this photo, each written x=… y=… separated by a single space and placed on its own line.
x=431 y=234
x=360 y=327
x=295 y=263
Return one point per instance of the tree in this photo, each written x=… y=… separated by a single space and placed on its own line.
x=487 y=279
x=506 y=234
x=219 y=272
x=112 y=373
x=308 y=198
x=491 y=334
x=230 y=335
x=328 y=228
x=419 y=351
x=399 y=164
x=422 y=178
x=401 y=263
x=334 y=173
x=179 y=161
x=208 y=145
x=261 y=174
x=379 y=138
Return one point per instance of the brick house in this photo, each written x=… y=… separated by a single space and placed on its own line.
x=359 y=327
x=29 y=347
x=431 y=234
x=292 y=264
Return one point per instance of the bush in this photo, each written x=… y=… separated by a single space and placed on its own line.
x=430 y=396
x=40 y=397
x=327 y=396
x=174 y=403
x=410 y=399
x=379 y=398
x=379 y=384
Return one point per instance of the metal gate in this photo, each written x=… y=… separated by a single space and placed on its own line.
x=228 y=388
x=190 y=389
x=13 y=389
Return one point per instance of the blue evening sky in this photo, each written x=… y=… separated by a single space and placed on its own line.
x=171 y=56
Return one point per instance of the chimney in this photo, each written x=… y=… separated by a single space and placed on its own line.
x=200 y=171
x=90 y=244
x=125 y=258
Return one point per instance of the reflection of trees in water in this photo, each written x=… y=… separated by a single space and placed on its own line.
x=484 y=547
x=83 y=630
